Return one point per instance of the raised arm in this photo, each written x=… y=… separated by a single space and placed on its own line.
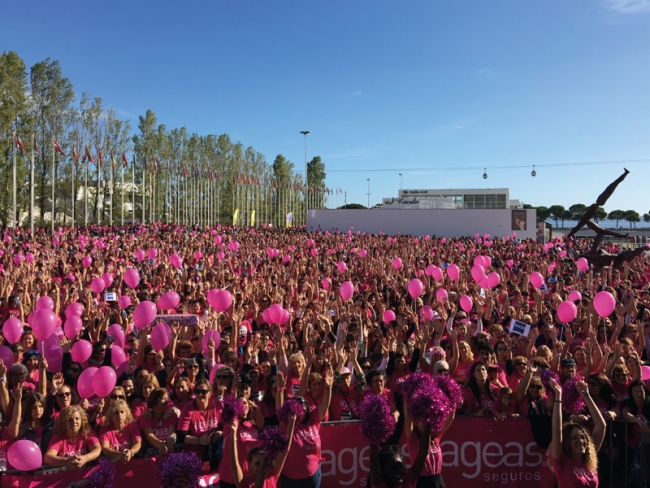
x=555 y=449
x=598 y=433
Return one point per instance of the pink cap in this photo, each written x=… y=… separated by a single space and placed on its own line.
x=345 y=371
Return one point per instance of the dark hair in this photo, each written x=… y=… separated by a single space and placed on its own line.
x=606 y=390
x=30 y=401
x=254 y=452
x=485 y=346
x=472 y=384
x=631 y=404
x=155 y=396
x=372 y=374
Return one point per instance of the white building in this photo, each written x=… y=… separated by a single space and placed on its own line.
x=475 y=198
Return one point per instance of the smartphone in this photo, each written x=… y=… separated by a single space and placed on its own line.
x=110 y=297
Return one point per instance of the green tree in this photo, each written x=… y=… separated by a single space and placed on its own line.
x=316 y=179
x=14 y=114
x=616 y=215
x=557 y=212
x=632 y=216
x=543 y=213
x=577 y=211
x=566 y=215
x=601 y=214
x=52 y=95
x=353 y=206
x=646 y=217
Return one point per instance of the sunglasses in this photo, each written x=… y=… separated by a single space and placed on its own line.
x=535 y=387
x=201 y=392
x=35 y=352
x=520 y=364
x=501 y=349
x=194 y=366
x=222 y=377
x=64 y=394
x=118 y=397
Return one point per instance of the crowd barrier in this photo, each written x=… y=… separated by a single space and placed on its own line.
x=483 y=452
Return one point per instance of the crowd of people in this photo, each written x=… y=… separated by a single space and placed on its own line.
x=359 y=314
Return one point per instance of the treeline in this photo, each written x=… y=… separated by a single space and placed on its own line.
x=177 y=176
x=575 y=212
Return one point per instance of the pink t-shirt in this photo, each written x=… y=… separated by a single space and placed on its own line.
x=470 y=399
x=246 y=440
x=461 y=371
x=137 y=407
x=67 y=448
x=573 y=474
x=304 y=455
x=160 y=428
x=396 y=378
x=125 y=439
x=197 y=423
x=433 y=462
x=5 y=443
x=292 y=385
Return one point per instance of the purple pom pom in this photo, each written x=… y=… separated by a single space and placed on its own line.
x=573 y=402
x=180 y=470
x=431 y=407
x=377 y=423
x=273 y=441
x=291 y=407
x=411 y=385
x=451 y=389
x=233 y=408
x=103 y=475
x=547 y=375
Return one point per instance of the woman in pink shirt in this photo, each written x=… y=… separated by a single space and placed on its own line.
x=73 y=443
x=122 y=438
x=573 y=451
x=388 y=469
x=480 y=394
x=257 y=476
x=158 y=422
x=244 y=441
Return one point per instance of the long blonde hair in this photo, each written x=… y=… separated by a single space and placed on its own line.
x=111 y=410
x=589 y=458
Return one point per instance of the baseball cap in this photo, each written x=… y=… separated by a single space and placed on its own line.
x=345 y=371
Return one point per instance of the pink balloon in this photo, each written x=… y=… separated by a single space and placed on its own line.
x=478 y=261
x=362 y=253
x=144 y=314
x=346 y=290
x=25 y=455
x=604 y=303
x=18 y=259
x=442 y=295
x=117 y=332
x=12 y=330
x=575 y=296
x=124 y=302
x=86 y=261
x=426 y=311
x=275 y=313
x=72 y=326
x=108 y=279
x=220 y=300
x=478 y=271
x=583 y=264
x=198 y=255
x=160 y=336
x=74 y=309
x=44 y=303
x=510 y=263
x=563 y=253
x=453 y=272
x=286 y=258
x=645 y=373
x=54 y=355
x=487 y=261
x=169 y=300
x=326 y=283
x=210 y=334
x=436 y=273
x=466 y=303
x=140 y=255
x=132 y=277
x=152 y=253
x=341 y=266
x=117 y=356
x=285 y=317
x=397 y=263
x=536 y=279
x=415 y=288
x=104 y=381
x=176 y=261
x=29 y=257
x=7 y=356
x=43 y=323
x=314 y=252
x=217 y=240
x=566 y=312
x=389 y=316
x=494 y=279
x=98 y=285
x=85 y=382
x=81 y=351
x=220 y=256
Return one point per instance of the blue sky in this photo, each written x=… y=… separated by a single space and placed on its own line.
x=380 y=84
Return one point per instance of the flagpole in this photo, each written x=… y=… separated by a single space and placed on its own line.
x=99 y=180
x=144 y=176
x=110 y=193
x=86 y=190
x=122 y=175
x=73 y=195
x=133 y=191
x=31 y=189
x=13 y=215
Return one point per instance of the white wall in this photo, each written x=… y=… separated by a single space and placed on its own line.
x=443 y=223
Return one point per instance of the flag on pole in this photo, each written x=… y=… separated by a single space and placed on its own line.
x=75 y=154
x=289 y=220
x=124 y=160
x=36 y=148
x=100 y=156
x=113 y=160
x=18 y=143
x=234 y=217
x=58 y=149
x=88 y=156
x=253 y=218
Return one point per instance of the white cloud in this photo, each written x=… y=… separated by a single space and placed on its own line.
x=629 y=6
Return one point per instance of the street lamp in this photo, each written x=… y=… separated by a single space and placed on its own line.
x=306 y=133
x=368 y=192
x=400 y=182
